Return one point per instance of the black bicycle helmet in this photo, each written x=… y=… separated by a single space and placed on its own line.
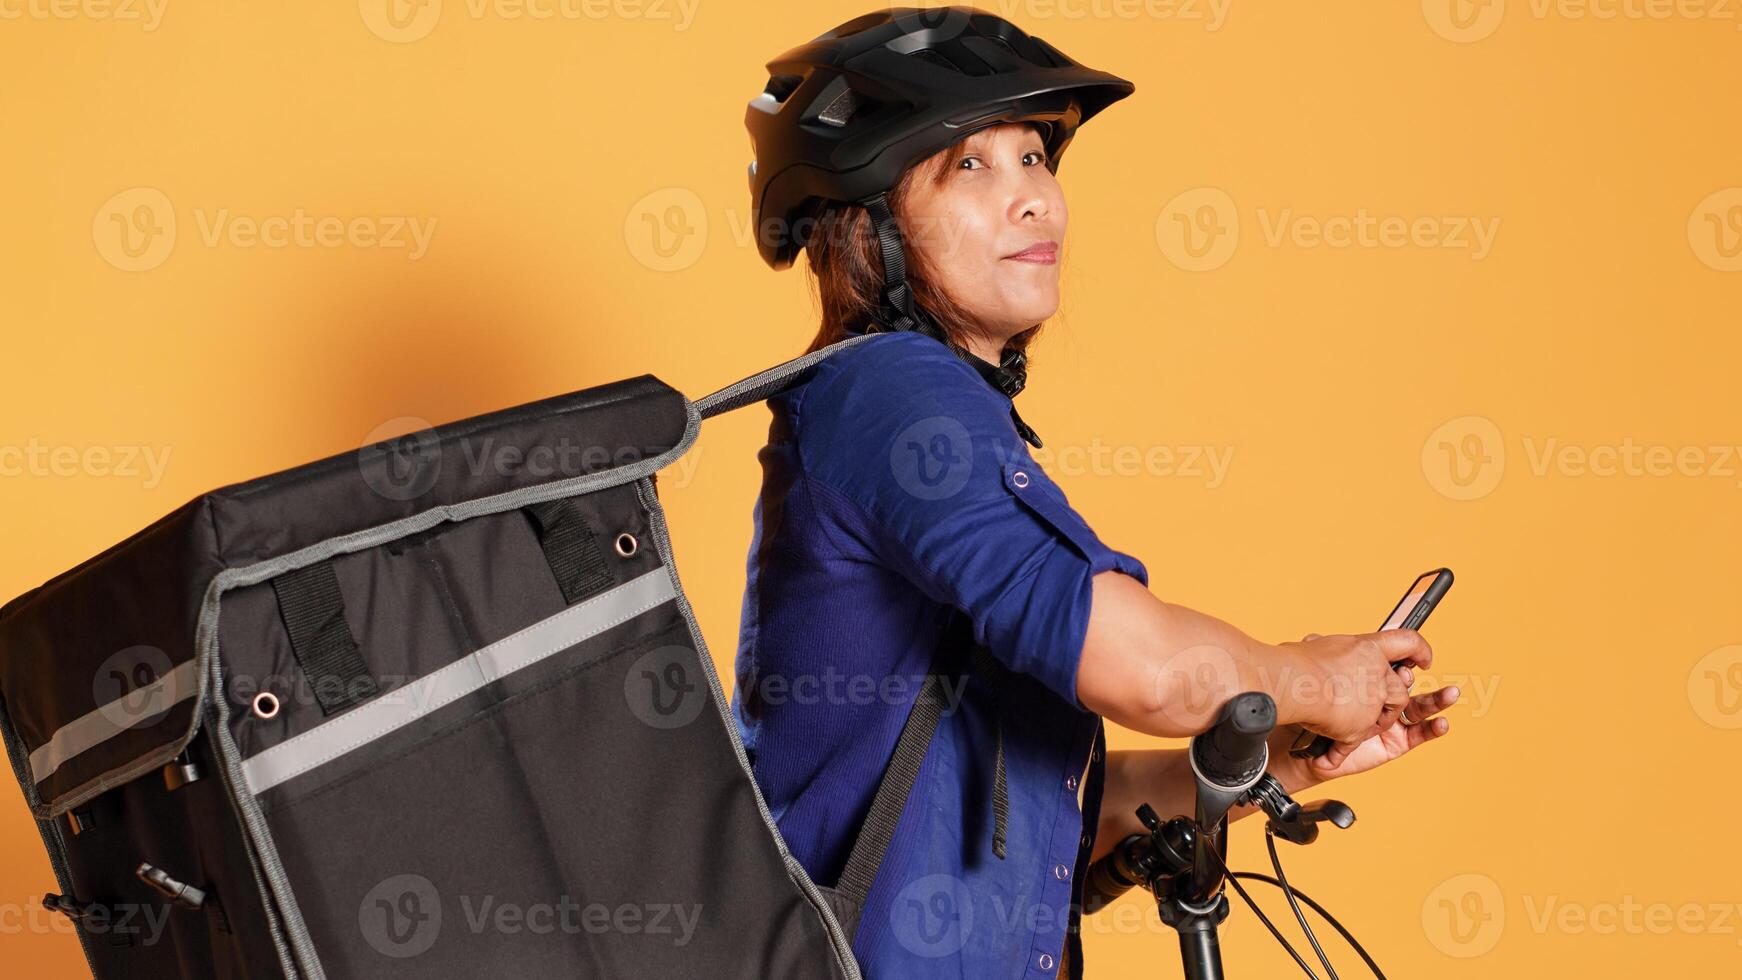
x=842 y=117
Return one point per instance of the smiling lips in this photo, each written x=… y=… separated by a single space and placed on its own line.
x=1045 y=253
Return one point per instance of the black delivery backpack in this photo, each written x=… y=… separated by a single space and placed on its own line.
x=435 y=708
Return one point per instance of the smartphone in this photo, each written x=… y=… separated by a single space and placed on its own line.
x=1411 y=611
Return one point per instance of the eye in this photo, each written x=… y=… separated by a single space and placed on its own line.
x=965 y=161
x=1038 y=154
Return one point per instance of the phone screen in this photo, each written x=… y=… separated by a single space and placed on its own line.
x=1417 y=592
x=1419 y=601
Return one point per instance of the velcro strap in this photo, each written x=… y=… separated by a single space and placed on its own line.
x=572 y=550
x=313 y=610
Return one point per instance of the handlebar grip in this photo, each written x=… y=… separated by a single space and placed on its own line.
x=1233 y=752
x=1109 y=878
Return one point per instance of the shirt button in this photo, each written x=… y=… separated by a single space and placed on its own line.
x=1019 y=478
x=1071 y=783
x=1086 y=842
x=1060 y=872
x=1045 y=961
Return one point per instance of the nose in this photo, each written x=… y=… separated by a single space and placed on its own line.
x=1029 y=203
x=1032 y=197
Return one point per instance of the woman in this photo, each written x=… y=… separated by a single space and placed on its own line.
x=904 y=531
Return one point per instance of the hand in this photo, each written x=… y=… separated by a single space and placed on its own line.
x=1414 y=726
x=1352 y=691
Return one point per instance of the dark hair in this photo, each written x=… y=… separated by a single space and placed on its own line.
x=846 y=265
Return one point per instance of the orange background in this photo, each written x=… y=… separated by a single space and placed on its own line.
x=1360 y=391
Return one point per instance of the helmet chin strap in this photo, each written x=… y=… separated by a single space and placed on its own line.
x=897 y=310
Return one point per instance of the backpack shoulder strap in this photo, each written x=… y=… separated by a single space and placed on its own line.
x=899 y=776
x=878 y=830
x=770 y=382
x=871 y=845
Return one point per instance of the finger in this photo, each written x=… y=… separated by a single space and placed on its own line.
x=1311 y=637
x=1335 y=755
x=1397 y=689
x=1422 y=734
x=1425 y=706
x=1407 y=646
x=1387 y=718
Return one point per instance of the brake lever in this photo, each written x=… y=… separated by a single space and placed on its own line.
x=1304 y=828
x=1291 y=821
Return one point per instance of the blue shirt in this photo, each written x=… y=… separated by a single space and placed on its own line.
x=896 y=490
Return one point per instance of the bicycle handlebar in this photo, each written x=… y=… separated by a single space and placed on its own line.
x=1232 y=753
x=1226 y=761
x=1183 y=861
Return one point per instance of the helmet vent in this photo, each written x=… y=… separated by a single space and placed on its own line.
x=928 y=55
x=997 y=52
x=840 y=109
x=781 y=86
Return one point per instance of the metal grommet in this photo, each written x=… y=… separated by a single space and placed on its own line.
x=265 y=705
x=1019 y=478
x=625 y=544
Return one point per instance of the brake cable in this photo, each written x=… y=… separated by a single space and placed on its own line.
x=1281 y=882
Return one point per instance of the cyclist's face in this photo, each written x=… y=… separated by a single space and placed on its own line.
x=999 y=199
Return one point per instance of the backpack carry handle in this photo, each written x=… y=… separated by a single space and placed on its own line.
x=770 y=382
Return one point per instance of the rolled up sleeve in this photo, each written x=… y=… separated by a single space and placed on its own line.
x=918 y=442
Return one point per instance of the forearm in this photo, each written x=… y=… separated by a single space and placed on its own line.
x=1166 y=670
